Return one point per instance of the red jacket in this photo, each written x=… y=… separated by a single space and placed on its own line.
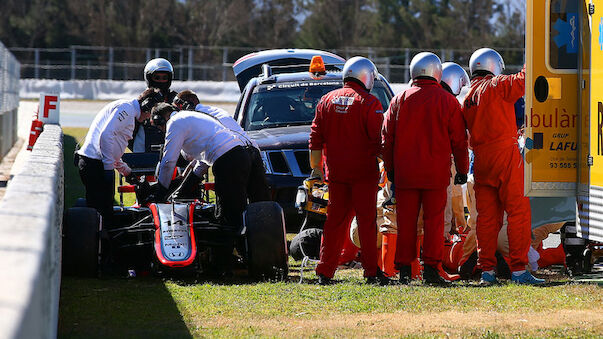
x=489 y=111
x=423 y=127
x=347 y=128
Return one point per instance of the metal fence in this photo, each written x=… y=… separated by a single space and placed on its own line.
x=9 y=99
x=204 y=62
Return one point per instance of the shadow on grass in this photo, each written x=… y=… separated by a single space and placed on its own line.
x=112 y=307
x=118 y=308
x=74 y=188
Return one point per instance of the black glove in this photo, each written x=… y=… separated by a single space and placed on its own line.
x=389 y=203
x=132 y=179
x=460 y=179
x=158 y=194
x=189 y=188
x=390 y=176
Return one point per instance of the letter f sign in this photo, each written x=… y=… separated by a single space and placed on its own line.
x=49 y=108
x=47 y=104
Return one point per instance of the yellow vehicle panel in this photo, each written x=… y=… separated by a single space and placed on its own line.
x=552 y=115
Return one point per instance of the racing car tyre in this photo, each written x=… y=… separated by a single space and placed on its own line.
x=266 y=244
x=80 y=242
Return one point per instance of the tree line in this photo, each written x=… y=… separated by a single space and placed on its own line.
x=322 y=24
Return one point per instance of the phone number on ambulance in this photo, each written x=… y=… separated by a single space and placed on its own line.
x=563 y=165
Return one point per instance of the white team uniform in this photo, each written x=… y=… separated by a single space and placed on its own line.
x=110 y=132
x=198 y=137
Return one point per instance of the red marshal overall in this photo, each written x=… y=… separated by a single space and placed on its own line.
x=347 y=128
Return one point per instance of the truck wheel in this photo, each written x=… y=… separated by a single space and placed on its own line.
x=265 y=237
x=80 y=242
x=574 y=248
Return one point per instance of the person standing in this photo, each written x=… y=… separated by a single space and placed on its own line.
x=423 y=127
x=104 y=145
x=158 y=73
x=346 y=131
x=498 y=167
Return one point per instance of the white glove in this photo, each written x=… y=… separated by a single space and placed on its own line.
x=123 y=168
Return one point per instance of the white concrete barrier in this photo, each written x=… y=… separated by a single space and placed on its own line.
x=31 y=215
x=213 y=91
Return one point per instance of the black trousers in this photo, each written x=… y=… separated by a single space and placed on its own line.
x=257 y=186
x=240 y=176
x=100 y=185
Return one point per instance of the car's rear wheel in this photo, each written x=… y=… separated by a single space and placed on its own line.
x=265 y=238
x=81 y=227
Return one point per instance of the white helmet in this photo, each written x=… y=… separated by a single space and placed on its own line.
x=486 y=59
x=426 y=64
x=158 y=65
x=454 y=76
x=362 y=70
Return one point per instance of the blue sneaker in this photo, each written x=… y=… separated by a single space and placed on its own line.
x=488 y=279
x=526 y=278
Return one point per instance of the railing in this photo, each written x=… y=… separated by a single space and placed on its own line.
x=204 y=62
x=9 y=99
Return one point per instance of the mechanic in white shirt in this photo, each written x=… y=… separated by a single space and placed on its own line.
x=257 y=188
x=206 y=139
x=104 y=145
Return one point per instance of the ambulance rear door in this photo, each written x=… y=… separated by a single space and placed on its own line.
x=551 y=112
x=589 y=217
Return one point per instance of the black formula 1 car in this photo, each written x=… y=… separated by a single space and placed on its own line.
x=176 y=236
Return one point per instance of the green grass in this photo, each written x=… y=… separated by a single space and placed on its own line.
x=151 y=307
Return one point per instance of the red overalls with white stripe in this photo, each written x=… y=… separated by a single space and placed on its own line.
x=347 y=128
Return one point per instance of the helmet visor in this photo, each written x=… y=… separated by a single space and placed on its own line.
x=160 y=77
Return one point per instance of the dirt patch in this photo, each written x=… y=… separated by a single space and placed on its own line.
x=449 y=324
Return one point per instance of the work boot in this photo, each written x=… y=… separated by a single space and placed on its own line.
x=379 y=279
x=431 y=276
x=526 y=278
x=488 y=279
x=467 y=268
x=405 y=275
x=323 y=280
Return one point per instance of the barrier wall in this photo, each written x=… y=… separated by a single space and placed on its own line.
x=31 y=215
x=213 y=91
x=9 y=99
